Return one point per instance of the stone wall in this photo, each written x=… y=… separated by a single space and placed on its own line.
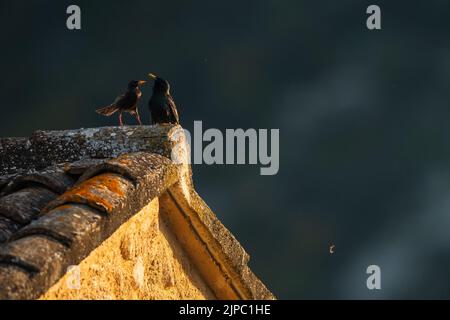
x=141 y=260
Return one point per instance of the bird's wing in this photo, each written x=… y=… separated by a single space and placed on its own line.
x=118 y=100
x=173 y=108
x=113 y=107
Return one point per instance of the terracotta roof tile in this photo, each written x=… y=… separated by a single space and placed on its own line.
x=25 y=204
x=55 y=180
x=63 y=229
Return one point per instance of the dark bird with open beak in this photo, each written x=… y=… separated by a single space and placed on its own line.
x=161 y=104
x=127 y=102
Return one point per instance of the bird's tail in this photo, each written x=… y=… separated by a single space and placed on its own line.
x=107 y=111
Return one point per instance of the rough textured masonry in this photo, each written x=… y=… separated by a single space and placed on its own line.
x=141 y=260
x=105 y=214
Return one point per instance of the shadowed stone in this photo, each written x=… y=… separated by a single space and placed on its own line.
x=24 y=205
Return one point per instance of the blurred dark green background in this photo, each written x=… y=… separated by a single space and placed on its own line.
x=363 y=117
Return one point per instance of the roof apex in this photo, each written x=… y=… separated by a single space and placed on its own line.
x=47 y=148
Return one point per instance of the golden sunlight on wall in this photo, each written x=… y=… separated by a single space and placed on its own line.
x=141 y=260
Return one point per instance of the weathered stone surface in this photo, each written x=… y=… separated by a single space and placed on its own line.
x=35 y=251
x=141 y=260
x=66 y=233
x=78 y=227
x=24 y=205
x=42 y=258
x=13 y=151
x=207 y=239
x=47 y=148
x=7 y=228
x=106 y=192
x=135 y=166
x=77 y=168
x=147 y=177
x=53 y=179
x=15 y=283
x=4 y=182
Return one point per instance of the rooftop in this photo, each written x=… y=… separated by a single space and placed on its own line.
x=63 y=193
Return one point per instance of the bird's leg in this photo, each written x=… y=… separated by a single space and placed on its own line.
x=138 y=118
x=120 y=119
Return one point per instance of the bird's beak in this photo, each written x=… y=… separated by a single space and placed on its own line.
x=152 y=76
x=141 y=82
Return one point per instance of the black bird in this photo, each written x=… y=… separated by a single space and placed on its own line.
x=161 y=104
x=127 y=102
